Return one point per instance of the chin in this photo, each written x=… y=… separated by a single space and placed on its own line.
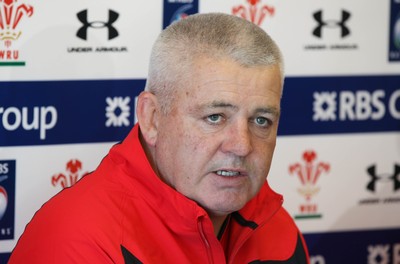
x=227 y=207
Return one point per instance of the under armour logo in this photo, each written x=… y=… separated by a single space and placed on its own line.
x=383 y=177
x=331 y=23
x=112 y=31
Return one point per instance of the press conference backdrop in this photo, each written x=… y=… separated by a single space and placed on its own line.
x=70 y=72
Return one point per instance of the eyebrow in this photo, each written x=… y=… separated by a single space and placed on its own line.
x=269 y=110
x=221 y=104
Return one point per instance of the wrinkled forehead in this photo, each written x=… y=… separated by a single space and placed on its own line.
x=230 y=83
x=209 y=74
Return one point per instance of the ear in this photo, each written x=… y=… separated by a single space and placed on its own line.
x=147 y=111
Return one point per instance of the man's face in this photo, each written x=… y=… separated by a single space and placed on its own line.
x=216 y=144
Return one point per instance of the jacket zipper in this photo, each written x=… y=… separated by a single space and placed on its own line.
x=205 y=241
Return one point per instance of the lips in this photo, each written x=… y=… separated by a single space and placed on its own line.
x=227 y=173
x=230 y=172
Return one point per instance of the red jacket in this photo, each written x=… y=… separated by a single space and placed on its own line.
x=123 y=213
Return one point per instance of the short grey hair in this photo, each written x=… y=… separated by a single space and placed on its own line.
x=212 y=35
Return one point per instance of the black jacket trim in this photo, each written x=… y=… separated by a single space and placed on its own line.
x=244 y=222
x=129 y=257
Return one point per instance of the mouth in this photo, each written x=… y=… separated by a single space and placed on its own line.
x=228 y=173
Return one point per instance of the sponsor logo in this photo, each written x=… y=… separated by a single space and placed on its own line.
x=52 y=116
x=97 y=25
x=336 y=39
x=323 y=24
x=318 y=259
x=393 y=178
x=112 y=31
x=351 y=104
x=7 y=199
x=118 y=111
x=394 y=31
x=383 y=254
x=11 y=15
x=180 y=13
x=71 y=175
x=254 y=11
x=175 y=10
x=383 y=184
x=40 y=119
x=355 y=105
x=308 y=174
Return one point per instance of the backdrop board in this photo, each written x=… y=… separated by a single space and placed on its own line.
x=70 y=73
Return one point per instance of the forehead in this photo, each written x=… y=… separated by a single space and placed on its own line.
x=226 y=80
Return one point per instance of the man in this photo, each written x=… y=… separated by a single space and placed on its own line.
x=188 y=184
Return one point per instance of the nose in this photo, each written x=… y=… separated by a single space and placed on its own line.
x=238 y=139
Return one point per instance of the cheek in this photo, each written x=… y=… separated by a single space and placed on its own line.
x=186 y=147
x=195 y=154
x=265 y=153
x=270 y=150
x=193 y=139
x=190 y=160
x=197 y=146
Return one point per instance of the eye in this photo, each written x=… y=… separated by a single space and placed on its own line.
x=262 y=121
x=214 y=118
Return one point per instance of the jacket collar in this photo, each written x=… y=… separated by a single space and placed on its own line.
x=263 y=206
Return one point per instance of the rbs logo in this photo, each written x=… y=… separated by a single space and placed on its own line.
x=356 y=105
x=3 y=168
x=39 y=118
x=380 y=254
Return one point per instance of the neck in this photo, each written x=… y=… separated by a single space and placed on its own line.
x=218 y=221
